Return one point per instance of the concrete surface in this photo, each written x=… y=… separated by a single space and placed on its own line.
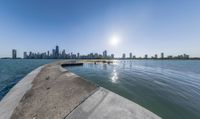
x=54 y=94
x=104 y=104
x=13 y=97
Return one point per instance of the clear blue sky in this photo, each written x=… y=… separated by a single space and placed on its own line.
x=144 y=26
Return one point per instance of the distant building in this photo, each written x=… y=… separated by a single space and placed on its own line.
x=63 y=56
x=105 y=54
x=78 y=55
x=156 y=56
x=162 y=55
x=48 y=54
x=14 y=53
x=123 y=55
x=53 y=53
x=112 y=56
x=25 y=55
x=130 y=56
x=186 y=56
x=170 y=57
x=57 y=52
x=146 y=56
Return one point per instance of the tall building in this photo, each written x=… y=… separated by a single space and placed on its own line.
x=105 y=54
x=25 y=55
x=123 y=55
x=53 y=53
x=112 y=56
x=57 y=51
x=14 y=53
x=131 y=55
x=146 y=56
x=162 y=55
x=186 y=56
x=48 y=54
x=78 y=55
x=156 y=56
x=63 y=54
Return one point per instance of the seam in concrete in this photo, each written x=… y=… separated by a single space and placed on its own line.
x=98 y=88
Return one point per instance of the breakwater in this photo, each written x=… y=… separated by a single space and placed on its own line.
x=56 y=93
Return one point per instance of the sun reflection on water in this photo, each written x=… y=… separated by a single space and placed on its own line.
x=114 y=77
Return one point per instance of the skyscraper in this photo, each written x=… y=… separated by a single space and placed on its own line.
x=162 y=55
x=48 y=54
x=105 y=54
x=156 y=56
x=146 y=56
x=57 y=51
x=53 y=53
x=131 y=56
x=112 y=56
x=123 y=55
x=78 y=55
x=14 y=53
x=25 y=55
x=63 y=54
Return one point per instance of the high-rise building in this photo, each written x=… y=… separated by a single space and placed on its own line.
x=112 y=56
x=78 y=55
x=186 y=56
x=123 y=55
x=63 y=54
x=57 y=51
x=54 y=53
x=130 y=55
x=156 y=56
x=105 y=54
x=146 y=56
x=14 y=53
x=48 y=54
x=162 y=55
x=25 y=55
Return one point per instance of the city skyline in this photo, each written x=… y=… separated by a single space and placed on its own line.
x=58 y=53
x=120 y=26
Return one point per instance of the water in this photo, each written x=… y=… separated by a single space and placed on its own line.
x=171 y=89
x=12 y=71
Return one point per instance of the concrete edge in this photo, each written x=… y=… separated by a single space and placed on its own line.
x=13 y=97
x=79 y=64
x=107 y=104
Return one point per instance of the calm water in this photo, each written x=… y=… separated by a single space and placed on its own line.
x=171 y=89
x=11 y=71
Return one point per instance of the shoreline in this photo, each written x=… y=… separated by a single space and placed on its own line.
x=57 y=93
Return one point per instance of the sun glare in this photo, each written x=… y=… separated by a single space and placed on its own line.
x=114 y=40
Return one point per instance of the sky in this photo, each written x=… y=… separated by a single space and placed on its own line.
x=84 y=26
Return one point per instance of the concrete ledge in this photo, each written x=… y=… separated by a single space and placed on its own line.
x=105 y=104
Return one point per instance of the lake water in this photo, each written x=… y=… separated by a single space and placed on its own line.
x=169 y=88
x=12 y=71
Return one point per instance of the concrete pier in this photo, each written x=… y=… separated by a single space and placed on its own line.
x=55 y=93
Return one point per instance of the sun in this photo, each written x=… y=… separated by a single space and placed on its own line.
x=114 y=40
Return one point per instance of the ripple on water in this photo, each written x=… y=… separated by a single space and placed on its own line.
x=170 y=89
